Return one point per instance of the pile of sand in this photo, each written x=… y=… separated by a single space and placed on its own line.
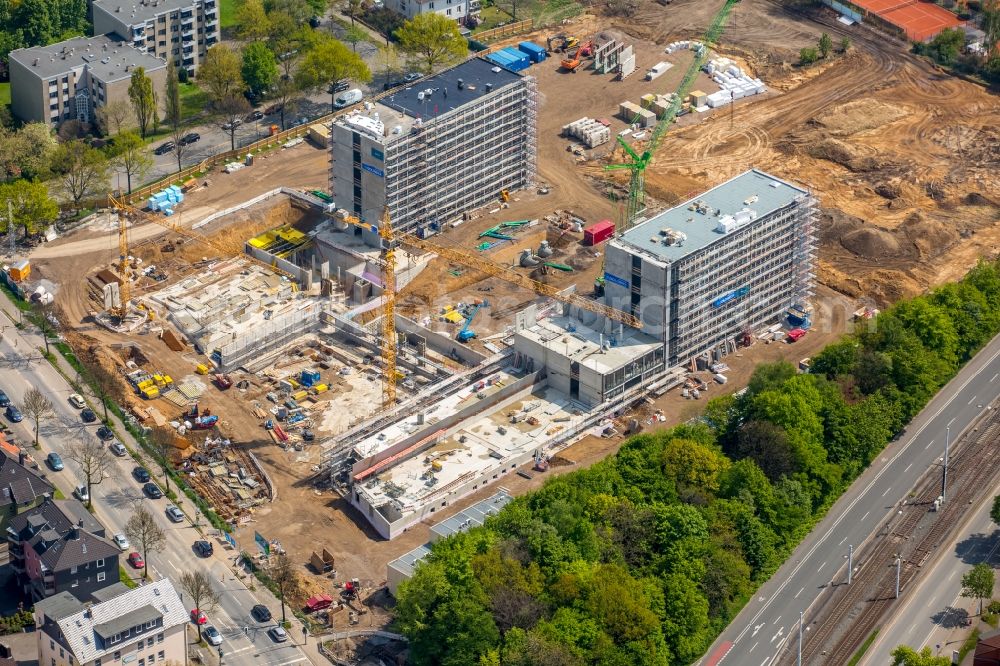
x=872 y=243
x=860 y=116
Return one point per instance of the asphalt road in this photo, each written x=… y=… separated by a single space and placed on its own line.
x=935 y=613
x=770 y=619
x=115 y=497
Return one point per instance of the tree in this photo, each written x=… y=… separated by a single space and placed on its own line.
x=104 y=383
x=82 y=170
x=845 y=44
x=94 y=460
x=252 y=23
x=142 y=530
x=946 y=46
x=162 y=442
x=351 y=8
x=115 y=117
x=995 y=511
x=198 y=585
x=45 y=317
x=353 y=35
x=907 y=656
x=27 y=152
x=143 y=98
x=433 y=39
x=229 y=113
x=978 y=583
x=33 y=208
x=388 y=60
x=286 y=579
x=260 y=68
x=329 y=61
x=37 y=407
x=173 y=111
x=131 y=156
x=220 y=73
x=35 y=22
x=808 y=56
x=825 y=45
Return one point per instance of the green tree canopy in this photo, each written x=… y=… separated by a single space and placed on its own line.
x=978 y=583
x=907 y=656
x=33 y=208
x=432 y=40
x=260 y=68
x=143 y=98
x=328 y=61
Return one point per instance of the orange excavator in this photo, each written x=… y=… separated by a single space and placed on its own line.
x=572 y=63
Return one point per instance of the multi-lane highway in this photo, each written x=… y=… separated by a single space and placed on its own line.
x=760 y=631
x=22 y=367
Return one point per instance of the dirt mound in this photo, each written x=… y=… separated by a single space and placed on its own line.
x=872 y=243
x=860 y=116
x=977 y=199
x=846 y=155
x=834 y=224
x=930 y=237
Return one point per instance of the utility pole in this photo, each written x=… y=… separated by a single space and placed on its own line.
x=799 y=662
x=944 y=475
x=11 y=230
x=899 y=563
x=850 y=563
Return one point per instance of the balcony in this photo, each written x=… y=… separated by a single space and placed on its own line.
x=210 y=40
x=189 y=61
x=211 y=17
x=187 y=36
x=187 y=14
x=188 y=49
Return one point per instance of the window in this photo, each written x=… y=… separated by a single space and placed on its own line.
x=62 y=653
x=142 y=662
x=159 y=655
x=149 y=641
x=118 y=653
x=101 y=576
x=52 y=645
x=159 y=639
x=76 y=581
x=72 y=570
x=449 y=11
x=100 y=563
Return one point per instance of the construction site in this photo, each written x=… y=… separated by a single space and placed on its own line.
x=321 y=370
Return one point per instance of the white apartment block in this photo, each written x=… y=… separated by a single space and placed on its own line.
x=71 y=79
x=136 y=627
x=453 y=9
x=181 y=30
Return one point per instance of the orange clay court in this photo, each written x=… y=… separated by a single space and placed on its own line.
x=919 y=20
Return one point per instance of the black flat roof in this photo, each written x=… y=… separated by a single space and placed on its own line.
x=445 y=95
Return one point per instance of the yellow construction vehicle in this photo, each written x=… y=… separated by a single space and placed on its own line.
x=504 y=196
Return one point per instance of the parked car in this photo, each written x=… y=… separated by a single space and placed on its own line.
x=261 y=613
x=14 y=414
x=4 y=400
x=212 y=635
x=135 y=559
x=190 y=138
x=314 y=22
x=141 y=474
x=256 y=115
x=278 y=634
x=174 y=513
x=198 y=617
x=412 y=76
x=55 y=462
x=339 y=86
x=81 y=492
x=88 y=415
x=347 y=98
x=121 y=541
x=166 y=147
x=77 y=401
x=152 y=491
x=203 y=548
x=273 y=109
x=118 y=449
x=233 y=125
x=105 y=433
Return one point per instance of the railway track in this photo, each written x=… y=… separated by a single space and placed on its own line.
x=912 y=534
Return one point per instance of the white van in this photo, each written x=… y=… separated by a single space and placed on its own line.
x=348 y=97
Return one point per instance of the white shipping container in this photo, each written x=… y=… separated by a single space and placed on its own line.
x=657 y=70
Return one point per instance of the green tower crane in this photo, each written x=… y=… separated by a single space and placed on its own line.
x=638 y=163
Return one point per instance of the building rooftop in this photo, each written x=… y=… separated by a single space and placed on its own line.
x=698 y=222
x=444 y=92
x=107 y=57
x=18 y=484
x=570 y=338
x=81 y=628
x=135 y=12
x=59 y=606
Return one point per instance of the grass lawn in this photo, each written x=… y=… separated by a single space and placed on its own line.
x=491 y=16
x=4 y=94
x=193 y=100
x=227 y=14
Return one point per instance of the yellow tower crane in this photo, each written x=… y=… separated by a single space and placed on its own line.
x=124 y=270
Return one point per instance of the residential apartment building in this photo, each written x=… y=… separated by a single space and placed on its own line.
x=181 y=30
x=437 y=148
x=71 y=79
x=21 y=489
x=59 y=546
x=137 y=627
x=717 y=266
x=453 y=9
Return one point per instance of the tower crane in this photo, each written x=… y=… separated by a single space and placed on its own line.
x=124 y=270
x=637 y=163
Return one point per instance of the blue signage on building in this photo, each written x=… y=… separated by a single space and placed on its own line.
x=377 y=154
x=722 y=300
x=614 y=279
x=375 y=170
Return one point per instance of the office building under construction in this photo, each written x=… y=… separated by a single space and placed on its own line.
x=437 y=148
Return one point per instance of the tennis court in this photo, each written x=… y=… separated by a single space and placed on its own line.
x=919 y=20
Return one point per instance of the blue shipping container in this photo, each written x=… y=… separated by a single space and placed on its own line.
x=534 y=51
x=516 y=54
x=500 y=58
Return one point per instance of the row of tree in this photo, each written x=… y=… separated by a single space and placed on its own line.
x=644 y=557
x=38 y=23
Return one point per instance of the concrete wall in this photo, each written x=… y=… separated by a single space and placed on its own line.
x=277 y=332
x=303 y=276
x=344 y=175
x=28 y=94
x=442 y=344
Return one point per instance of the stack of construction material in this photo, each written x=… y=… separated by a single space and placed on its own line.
x=684 y=45
x=589 y=131
x=634 y=115
x=658 y=104
x=657 y=70
x=166 y=200
x=733 y=80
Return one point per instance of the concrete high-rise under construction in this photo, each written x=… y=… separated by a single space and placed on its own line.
x=438 y=147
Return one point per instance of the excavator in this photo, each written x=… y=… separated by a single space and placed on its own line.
x=561 y=42
x=572 y=63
